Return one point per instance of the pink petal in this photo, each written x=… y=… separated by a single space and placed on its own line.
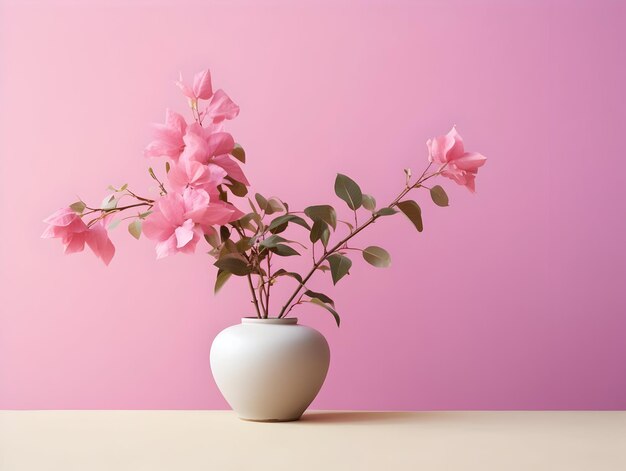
x=184 y=88
x=195 y=199
x=190 y=247
x=216 y=175
x=184 y=233
x=221 y=107
x=75 y=243
x=470 y=161
x=232 y=168
x=98 y=240
x=166 y=247
x=51 y=232
x=156 y=227
x=470 y=182
x=167 y=143
x=178 y=175
x=202 y=85
x=456 y=150
x=446 y=148
x=196 y=148
x=220 y=143
x=437 y=149
x=176 y=122
x=196 y=204
x=63 y=217
x=218 y=214
x=172 y=208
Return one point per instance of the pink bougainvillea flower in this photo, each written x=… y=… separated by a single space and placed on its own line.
x=220 y=107
x=191 y=173
x=201 y=89
x=202 y=144
x=68 y=226
x=168 y=137
x=212 y=149
x=179 y=220
x=456 y=164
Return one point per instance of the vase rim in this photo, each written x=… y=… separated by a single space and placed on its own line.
x=270 y=320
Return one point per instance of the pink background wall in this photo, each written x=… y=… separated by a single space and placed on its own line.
x=511 y=298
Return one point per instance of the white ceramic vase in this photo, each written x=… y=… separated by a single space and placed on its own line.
x=269 y=369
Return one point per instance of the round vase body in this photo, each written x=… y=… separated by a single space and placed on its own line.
x=269 y=369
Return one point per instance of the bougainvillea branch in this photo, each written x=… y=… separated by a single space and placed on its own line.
x=202 y=174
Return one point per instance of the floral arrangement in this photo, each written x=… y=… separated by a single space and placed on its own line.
x=202 y=174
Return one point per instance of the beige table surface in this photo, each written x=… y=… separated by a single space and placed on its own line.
x=217 y=440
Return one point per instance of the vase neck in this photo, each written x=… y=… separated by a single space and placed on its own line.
x=270 y=321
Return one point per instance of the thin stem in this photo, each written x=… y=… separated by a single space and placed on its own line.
x=255 y=301
x=140 y=198
x=299 y=301
x=114 y=210
x=269 y=284
x=155 y=178
x=261 y=291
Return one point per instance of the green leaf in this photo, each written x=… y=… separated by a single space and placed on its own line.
x=239 y=153
x=272 y=241
x=279 y=229
x=369 y=202
x=377 y=256
x=322 y=212
x=223 y=196
x=114 y=224
x=78 y=207
x=109 y=202
x=328 y=308
x=385 y=212
x=151 y=172
x=283 y=272
x=213 y=239
x=339 y=266
x=144 y=215
x=274 y=205
x=324 y=268
x=233 y=263
x=321 y=296
x=348 y=225
x=284 y=250
x=252 y=206
x=412 y=210
x=348 y=190
x=236 y=188
x=245 y=221
x=224 y=233
x=261 y=201
x=244 y=244
x=135 y=228
x=168 y=167
x=439 y=196
x=287 y=218
x=221 y=279
x=228 y=246
x=320 y=231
